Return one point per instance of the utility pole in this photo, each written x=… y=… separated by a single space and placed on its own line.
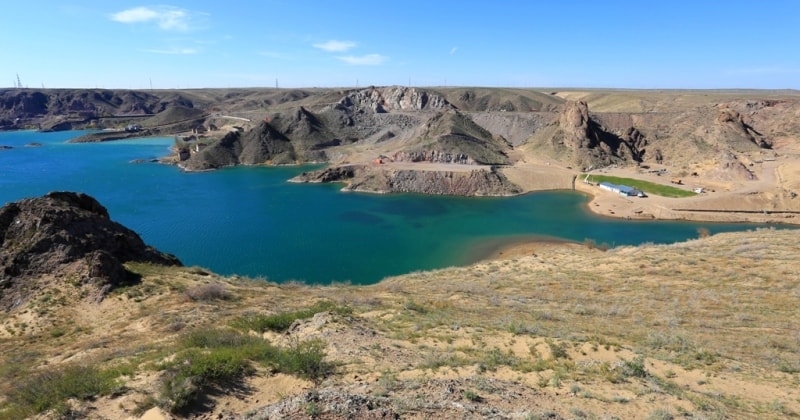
x=276 y=83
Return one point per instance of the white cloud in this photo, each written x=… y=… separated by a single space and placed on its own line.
x=335 y=46
x=168 y=18
x=453 y=50
x=173 y=51
x=364 y=60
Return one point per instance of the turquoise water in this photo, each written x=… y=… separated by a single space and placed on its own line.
x=250 y=221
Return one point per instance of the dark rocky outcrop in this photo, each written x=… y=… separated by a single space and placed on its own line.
x=578 y=138
x=65 y=235
x=738 y=132
x=452 y=137
x=263 y=144
x=502 y=100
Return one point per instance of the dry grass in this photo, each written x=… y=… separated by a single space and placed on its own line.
x=707 y=328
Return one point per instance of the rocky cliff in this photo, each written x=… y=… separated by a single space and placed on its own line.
x=394 y=98
x=576 y=137
x=70 y=236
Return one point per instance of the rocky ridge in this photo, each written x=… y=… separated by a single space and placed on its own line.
x=579 y=139
x=261 y=145
x=394 y=98
x=70 y=236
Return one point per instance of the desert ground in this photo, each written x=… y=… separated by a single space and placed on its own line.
x=701 y=329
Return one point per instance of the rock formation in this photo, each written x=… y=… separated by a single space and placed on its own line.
x=370 y=178
x=394 y=98
x=737 y=132
x=452 y=137
x=729 y=167
x=578 y=138
x=67 y=235
x=258 y=146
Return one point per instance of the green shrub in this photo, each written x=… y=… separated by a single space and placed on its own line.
x=196 y=370
x=635 y=368
x=49 y=390
x=213 y=358
x=282 y=321
x=305 y=359
x=495 y=358
x=472 y=396
x=217 y=338
x=558 y=351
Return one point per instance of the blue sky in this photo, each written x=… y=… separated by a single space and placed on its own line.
x=194 y=44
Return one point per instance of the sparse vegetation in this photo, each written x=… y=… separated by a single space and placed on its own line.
x=51 y=388
x=617 y=332
x=218 y=357
x=208 y=292
x=282 y=321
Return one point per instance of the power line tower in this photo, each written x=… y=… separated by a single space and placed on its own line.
x=19 y=82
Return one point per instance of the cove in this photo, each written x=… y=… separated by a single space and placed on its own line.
x=249 y=221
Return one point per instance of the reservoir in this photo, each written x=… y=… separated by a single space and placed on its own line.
x=250 y=221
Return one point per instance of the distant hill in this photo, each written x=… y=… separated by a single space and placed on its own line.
x=687 y=130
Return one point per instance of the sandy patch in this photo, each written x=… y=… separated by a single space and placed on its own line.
x=540 y=175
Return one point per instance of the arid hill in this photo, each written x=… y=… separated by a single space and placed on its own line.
x=584 y=128
x=701 y=329
x=739 y=146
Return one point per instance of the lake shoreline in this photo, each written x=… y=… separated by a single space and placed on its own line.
x=549 y=175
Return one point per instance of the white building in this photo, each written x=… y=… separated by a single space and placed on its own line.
x=622 y=190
